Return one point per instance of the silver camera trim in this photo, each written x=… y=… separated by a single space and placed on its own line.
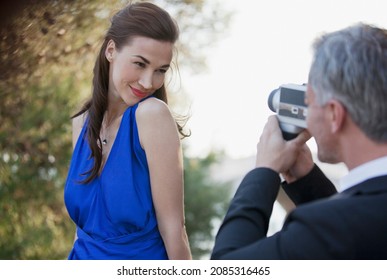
x=289 y=124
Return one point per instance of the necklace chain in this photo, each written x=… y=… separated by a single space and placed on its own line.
x=106 y=130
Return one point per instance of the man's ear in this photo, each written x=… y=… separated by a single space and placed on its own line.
x=110 y=49
x=337 y=115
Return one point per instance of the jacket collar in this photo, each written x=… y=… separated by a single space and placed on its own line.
x=371 y=186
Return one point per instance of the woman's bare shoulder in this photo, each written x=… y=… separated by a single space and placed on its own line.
x=152 y=107
x=77 y=124
x=155 y=122
x=78 y=121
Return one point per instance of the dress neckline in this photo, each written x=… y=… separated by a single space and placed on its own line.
x=112 y=149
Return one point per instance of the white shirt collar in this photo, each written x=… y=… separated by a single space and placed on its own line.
x=371 y=169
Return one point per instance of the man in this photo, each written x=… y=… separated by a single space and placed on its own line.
x=347 y=115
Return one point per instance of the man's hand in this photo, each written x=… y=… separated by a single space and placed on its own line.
x=291 y=158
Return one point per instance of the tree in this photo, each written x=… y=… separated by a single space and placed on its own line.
x=47 y=51
x=206 y=202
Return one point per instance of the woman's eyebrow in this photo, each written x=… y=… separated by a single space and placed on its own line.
x=142 y=58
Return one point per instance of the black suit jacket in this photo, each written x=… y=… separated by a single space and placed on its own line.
x=324 y=225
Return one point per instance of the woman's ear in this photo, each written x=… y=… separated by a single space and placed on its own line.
x=110 y=49
x=338 y=114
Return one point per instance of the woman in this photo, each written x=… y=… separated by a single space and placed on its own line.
x=124 y=189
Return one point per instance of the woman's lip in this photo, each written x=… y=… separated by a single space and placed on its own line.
x=138 y=93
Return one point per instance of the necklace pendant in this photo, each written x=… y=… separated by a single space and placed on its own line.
x=104 y=141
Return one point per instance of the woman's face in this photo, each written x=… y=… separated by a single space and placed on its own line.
x=138 y=69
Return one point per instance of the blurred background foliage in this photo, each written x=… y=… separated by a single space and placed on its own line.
x=47 y=51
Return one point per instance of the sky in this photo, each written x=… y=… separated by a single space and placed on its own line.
x=268 y=43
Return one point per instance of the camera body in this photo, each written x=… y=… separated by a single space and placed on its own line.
x=288 y=101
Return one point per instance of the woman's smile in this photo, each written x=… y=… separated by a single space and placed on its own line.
x=138 y=93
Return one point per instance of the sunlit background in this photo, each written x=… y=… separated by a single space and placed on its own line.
x=268 y=44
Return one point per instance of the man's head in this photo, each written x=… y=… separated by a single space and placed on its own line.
x=349 y=70
x=350 y=66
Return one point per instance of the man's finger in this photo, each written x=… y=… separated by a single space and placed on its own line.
x=302 y=138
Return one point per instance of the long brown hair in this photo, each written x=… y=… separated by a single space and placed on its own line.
x=138 y=19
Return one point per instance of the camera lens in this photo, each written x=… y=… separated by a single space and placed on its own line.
x=271 y=102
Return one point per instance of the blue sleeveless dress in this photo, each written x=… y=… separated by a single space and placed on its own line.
x=114 y=213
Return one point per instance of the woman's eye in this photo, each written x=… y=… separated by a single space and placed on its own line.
x=140 y=64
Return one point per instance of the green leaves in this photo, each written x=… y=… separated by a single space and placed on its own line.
x=47 y=53
x=206 y=203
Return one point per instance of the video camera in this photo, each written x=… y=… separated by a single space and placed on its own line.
x=288 y=101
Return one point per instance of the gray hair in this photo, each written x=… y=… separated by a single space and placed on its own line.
x=350 y=65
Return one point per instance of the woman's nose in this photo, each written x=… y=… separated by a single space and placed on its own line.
x=146 y=80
